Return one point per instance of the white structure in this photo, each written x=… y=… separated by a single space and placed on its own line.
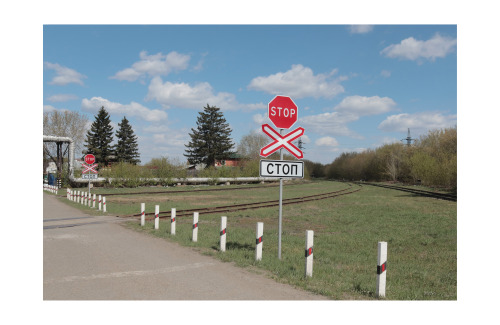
x=309 y=252
x=223 y=225
x=195 y=226
x=258 y=241
x=381 y=268
x=172 y=221
x=157 y=217
x=143 y=214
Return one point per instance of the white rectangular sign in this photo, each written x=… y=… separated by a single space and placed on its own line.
x=89 y=176
x=281 y=168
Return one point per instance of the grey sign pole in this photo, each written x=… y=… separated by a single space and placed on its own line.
x=281 y=207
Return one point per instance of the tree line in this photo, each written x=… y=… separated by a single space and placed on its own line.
x=431 y=160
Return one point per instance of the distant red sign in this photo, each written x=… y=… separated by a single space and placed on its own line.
x=89 y=159
x=283 y=112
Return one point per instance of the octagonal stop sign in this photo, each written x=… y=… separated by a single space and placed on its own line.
x=89 y=159
x=283 y=112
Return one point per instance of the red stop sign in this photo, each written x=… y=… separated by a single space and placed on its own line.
x=283 y=112
x=89 y=159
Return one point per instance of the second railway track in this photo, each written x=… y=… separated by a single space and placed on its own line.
x=253 y=205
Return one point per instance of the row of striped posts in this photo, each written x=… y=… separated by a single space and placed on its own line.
x=382 y=246
x=50 y=188
x=86 y=199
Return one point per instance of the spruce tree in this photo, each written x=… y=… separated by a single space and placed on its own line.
x=99 y=138
x=211 y=140
x=126 y=149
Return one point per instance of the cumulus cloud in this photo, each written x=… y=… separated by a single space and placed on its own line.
x=183 y=95
x=419 y=121
x=411 y=49
x=362 y=105
x=360 y=29
x=351 y=109
x=62 y=98
x=64 y=75
x=327 y=142
x=300 y=82
x=154 y=65
x=132 y=109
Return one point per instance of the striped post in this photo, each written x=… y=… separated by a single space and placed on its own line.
x=93 y=202
x=195 y=226
x=85 y=198
x=172 y=221
x=103 y=204
x=81 y=198
x=258 y=241
x=309 y=253
x=78 y=196
x=72 y=195
x=100 y=200
x=90 y=200
x=67 y=193
x=223 y=225
x=381 y=268
x=143 y=214
x=157 y=217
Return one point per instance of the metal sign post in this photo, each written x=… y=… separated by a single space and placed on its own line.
x=283 y=112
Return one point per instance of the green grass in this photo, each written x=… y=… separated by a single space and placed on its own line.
x=421 y=234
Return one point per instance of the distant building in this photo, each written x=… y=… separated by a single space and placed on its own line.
x=233 y=160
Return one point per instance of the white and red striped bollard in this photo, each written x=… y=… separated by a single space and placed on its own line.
x=90 y=200
x=100 y=202
x=93 y=201
x=195 y=226
x=381 y=268
x=157 y=217
x=223 y=226
x=143 y=214
x=103 y=204
x=258 y=241
x=309 y=252
x=172 y=221
x=78 y=197
x=85 y=199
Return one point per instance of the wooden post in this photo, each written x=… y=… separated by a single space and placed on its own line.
x=309 y=252
x=381 y=268
x=172 y=221
x=258 y=241
x=195 y=226
x=157 y=217
x=143 y=214
x=223 y=226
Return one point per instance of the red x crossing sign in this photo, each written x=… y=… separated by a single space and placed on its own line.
x=282 y=141
x=89 y=168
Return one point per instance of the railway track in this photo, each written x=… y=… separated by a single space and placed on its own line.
x=253 y=205
x=436 y=195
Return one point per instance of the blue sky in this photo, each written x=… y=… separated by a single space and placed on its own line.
x=356 y=86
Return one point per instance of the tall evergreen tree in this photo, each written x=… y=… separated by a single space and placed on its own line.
x=126 y=149
x=211 y=140
x=99 y=138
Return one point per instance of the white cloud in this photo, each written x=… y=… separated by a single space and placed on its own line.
x=299 y=82
x=154 y=65
x=385 y=73
x=48 y=108
x=328 y=123
x=132 y=109
x=327 y=142
x=64 y=75
x=362 y=106
x=62 y=98
x=419 y=121
x=260 y=118
x=412 y=49
x=360 y=29
x=183 y=95
x=351 y=109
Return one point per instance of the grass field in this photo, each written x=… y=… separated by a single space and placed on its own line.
x=421 y=234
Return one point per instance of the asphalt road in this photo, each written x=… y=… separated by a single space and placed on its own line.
x=95 y=258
